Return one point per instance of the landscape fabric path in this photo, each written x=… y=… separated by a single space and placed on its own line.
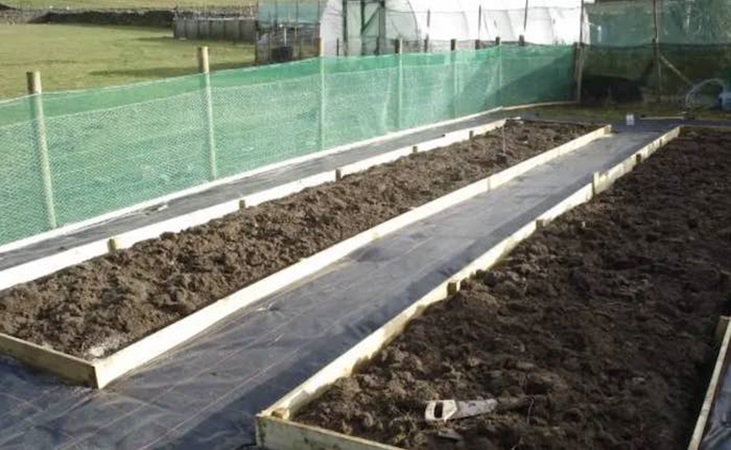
x=206 y=393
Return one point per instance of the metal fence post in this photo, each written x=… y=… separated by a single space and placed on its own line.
x=35 y=90
x=205 y=85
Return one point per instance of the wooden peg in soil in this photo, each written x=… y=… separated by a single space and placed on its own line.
x=452 y=287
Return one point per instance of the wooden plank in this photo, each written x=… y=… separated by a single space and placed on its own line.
x=603 y=181
x=289 y=188
x=446 y=140
x=49 y=264
x=295 y=436
x=713 y=386
x=67 y=367
x=538 y=105
x=163 y=340
x=276 y=432
x=139 y=353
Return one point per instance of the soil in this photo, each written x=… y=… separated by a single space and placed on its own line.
x=595 y=333
x=97 y=307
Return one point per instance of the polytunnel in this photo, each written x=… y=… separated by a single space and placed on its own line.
x=357 y=27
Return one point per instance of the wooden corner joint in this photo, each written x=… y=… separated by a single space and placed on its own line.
x=281 y=413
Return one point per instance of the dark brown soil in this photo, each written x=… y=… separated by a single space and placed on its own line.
x=596 y=333
x=96 y=307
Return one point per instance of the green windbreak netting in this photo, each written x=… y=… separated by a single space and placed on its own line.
x=101 y=150
x=271 y=12
x=681 y=22
x=670 y=71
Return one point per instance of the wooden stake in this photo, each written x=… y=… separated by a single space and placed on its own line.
x=595 y=183
x=578 y=70
x=455 y=81
x=112 y=245
x=35 y=90
x=399 y=45
x=499 y=96
x=205 y=84
x=452 y=287
x=656 y=48
x=321 y=119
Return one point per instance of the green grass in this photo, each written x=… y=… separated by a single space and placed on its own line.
x=105 y=4
x=76 y=57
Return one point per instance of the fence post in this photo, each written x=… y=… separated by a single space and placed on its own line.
x=479 y=23
x=578 y=69
x=321 y=119
x=498 y=45
x=35 y=90
x=399 y=44
x=455 y=87
x=205 y=85
x=428 y=31
x=656 y=49
x=525 y=24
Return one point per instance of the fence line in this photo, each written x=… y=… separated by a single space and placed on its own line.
x=106 y=149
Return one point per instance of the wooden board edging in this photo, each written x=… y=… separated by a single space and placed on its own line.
x=107 y=369
x=32 y=270
x=68 y=367
x=274 y=429
x=713 y=386
x=183 y=330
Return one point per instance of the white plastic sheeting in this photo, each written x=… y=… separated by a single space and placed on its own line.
x=368 y=25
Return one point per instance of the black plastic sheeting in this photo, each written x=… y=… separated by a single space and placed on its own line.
x=205 y=395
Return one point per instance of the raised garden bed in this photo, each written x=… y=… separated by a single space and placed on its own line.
x=94 y=309
x=597 y=332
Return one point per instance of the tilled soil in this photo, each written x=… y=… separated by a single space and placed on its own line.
x=596 y=333
x=99 y=306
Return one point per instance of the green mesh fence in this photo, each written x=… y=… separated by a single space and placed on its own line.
x=680 y=22
x=108 y=149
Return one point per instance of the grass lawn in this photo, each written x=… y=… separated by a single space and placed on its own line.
x=78 y=56
x=103 y=4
